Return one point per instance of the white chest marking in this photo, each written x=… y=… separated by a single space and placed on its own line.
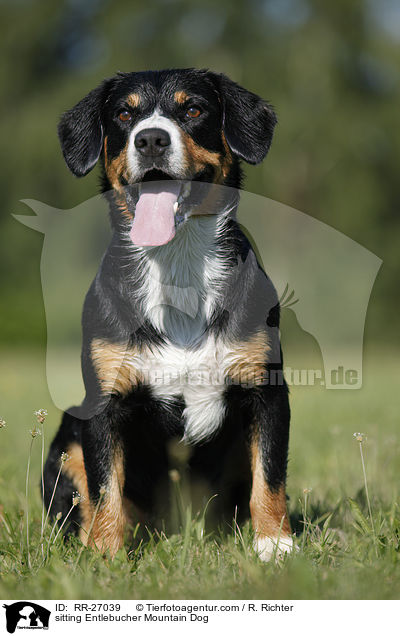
x=180 y=285
x=195 y=374
x=182 y=281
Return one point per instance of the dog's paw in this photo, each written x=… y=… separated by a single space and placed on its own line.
x=269 y=548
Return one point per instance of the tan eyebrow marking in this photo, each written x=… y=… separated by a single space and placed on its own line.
x=133 y=100
x=180 y=97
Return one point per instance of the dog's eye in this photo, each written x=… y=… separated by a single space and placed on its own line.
x=193 y=112
x=124 y=115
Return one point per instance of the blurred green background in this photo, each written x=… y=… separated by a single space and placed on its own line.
x=331 y=69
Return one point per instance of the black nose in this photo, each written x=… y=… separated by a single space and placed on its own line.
x=152 y=141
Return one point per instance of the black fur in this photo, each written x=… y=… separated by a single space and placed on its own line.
x=81 y=132
x=248 y=120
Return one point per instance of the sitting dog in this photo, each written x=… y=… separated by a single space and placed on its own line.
x=179 y=294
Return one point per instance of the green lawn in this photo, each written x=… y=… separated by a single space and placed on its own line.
x=341 y=555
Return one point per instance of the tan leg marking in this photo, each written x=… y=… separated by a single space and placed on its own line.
x=108 y=523
x=247 y=360
x=267 y=508
x=74 y=469
x=268 y=512
x=110 y=520
x=114 y=366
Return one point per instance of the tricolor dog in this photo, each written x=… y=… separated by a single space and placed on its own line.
x=181 y=324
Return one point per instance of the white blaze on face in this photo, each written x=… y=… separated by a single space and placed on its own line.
x=154 y=221
x=176 y=162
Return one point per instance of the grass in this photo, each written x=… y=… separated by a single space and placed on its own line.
x=343 y=505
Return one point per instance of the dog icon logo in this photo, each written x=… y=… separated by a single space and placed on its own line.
x=26 y=615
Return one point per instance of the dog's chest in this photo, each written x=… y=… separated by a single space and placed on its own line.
x=196 y=375
x=182 y=284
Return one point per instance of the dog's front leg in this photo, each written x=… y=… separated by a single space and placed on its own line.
x=268 y=455
x=104 y=464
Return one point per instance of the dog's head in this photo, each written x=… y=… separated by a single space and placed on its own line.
x=174 y=125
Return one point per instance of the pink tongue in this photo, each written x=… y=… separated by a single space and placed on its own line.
x=154 y=222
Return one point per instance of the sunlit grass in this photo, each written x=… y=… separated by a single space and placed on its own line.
x=343 y=507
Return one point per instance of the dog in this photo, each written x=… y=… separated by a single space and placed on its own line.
x=179 y=290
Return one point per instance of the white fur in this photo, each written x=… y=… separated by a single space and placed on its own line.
x=267 y=547
x=177 y=163
x=195 y=373
x=192 y=373
x=181 y=282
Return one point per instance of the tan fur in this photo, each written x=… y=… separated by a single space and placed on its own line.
x=227 y=161
x=133 y=100
x=198 y=158
x=105 y=525
x=116 y=170
x=114 y=368
x=74 y=469
x=109 y=521
x=267 y=508
x=180 y=97
x=247 y=360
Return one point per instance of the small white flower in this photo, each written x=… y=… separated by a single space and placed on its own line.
x=41 y=415
x=64 y=457
x=76 y=498
x=360 y=437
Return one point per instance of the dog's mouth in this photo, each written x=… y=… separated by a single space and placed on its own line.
x=156 y=175
x=159 y=208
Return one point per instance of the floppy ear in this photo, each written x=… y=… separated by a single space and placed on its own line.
x=81 y=132
x=249 y=121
